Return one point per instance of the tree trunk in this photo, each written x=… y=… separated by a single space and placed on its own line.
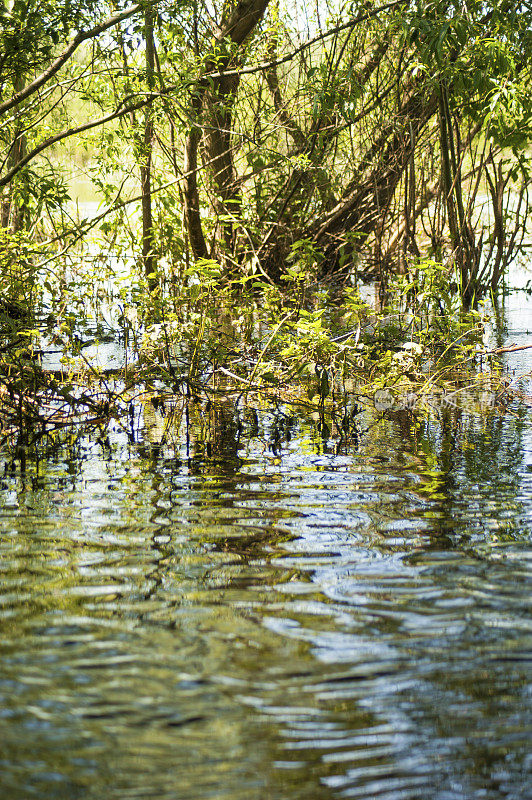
x=375 y=181
x=148 y=242
x=13 y=213
x=211 y=120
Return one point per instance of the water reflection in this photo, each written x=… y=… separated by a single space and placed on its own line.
x=219 y=605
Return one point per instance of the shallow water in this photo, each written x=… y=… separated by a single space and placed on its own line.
x=282 y=619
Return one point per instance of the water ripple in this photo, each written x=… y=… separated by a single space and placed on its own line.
x=310 y=626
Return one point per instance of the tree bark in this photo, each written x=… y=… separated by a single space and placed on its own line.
x=148 y=242
x=211 y=119
x=13 y=213
x=376 y=179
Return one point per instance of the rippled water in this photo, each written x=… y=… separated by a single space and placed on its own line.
x=310 y=624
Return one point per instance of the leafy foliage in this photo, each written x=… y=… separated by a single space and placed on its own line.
x=244 y=164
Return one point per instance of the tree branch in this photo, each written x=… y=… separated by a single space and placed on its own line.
x=61 y=59
x=265 y=65
x=120 y=112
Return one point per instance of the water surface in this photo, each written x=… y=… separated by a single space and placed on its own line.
x=272 y=616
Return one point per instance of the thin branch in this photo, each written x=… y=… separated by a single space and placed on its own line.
x=120 y=112
x=61 y=59
x=266 y=65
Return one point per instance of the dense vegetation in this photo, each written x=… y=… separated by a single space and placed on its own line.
x=248 y=158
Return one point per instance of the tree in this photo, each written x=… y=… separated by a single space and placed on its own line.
x=38 y=42
x=349 y=149
x=371 y=137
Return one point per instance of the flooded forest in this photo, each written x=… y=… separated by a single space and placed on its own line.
x=265 y=400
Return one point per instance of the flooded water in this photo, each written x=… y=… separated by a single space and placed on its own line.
x=250 y=612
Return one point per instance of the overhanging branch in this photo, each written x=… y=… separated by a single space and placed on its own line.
x=61 y=59
x=120 y=112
